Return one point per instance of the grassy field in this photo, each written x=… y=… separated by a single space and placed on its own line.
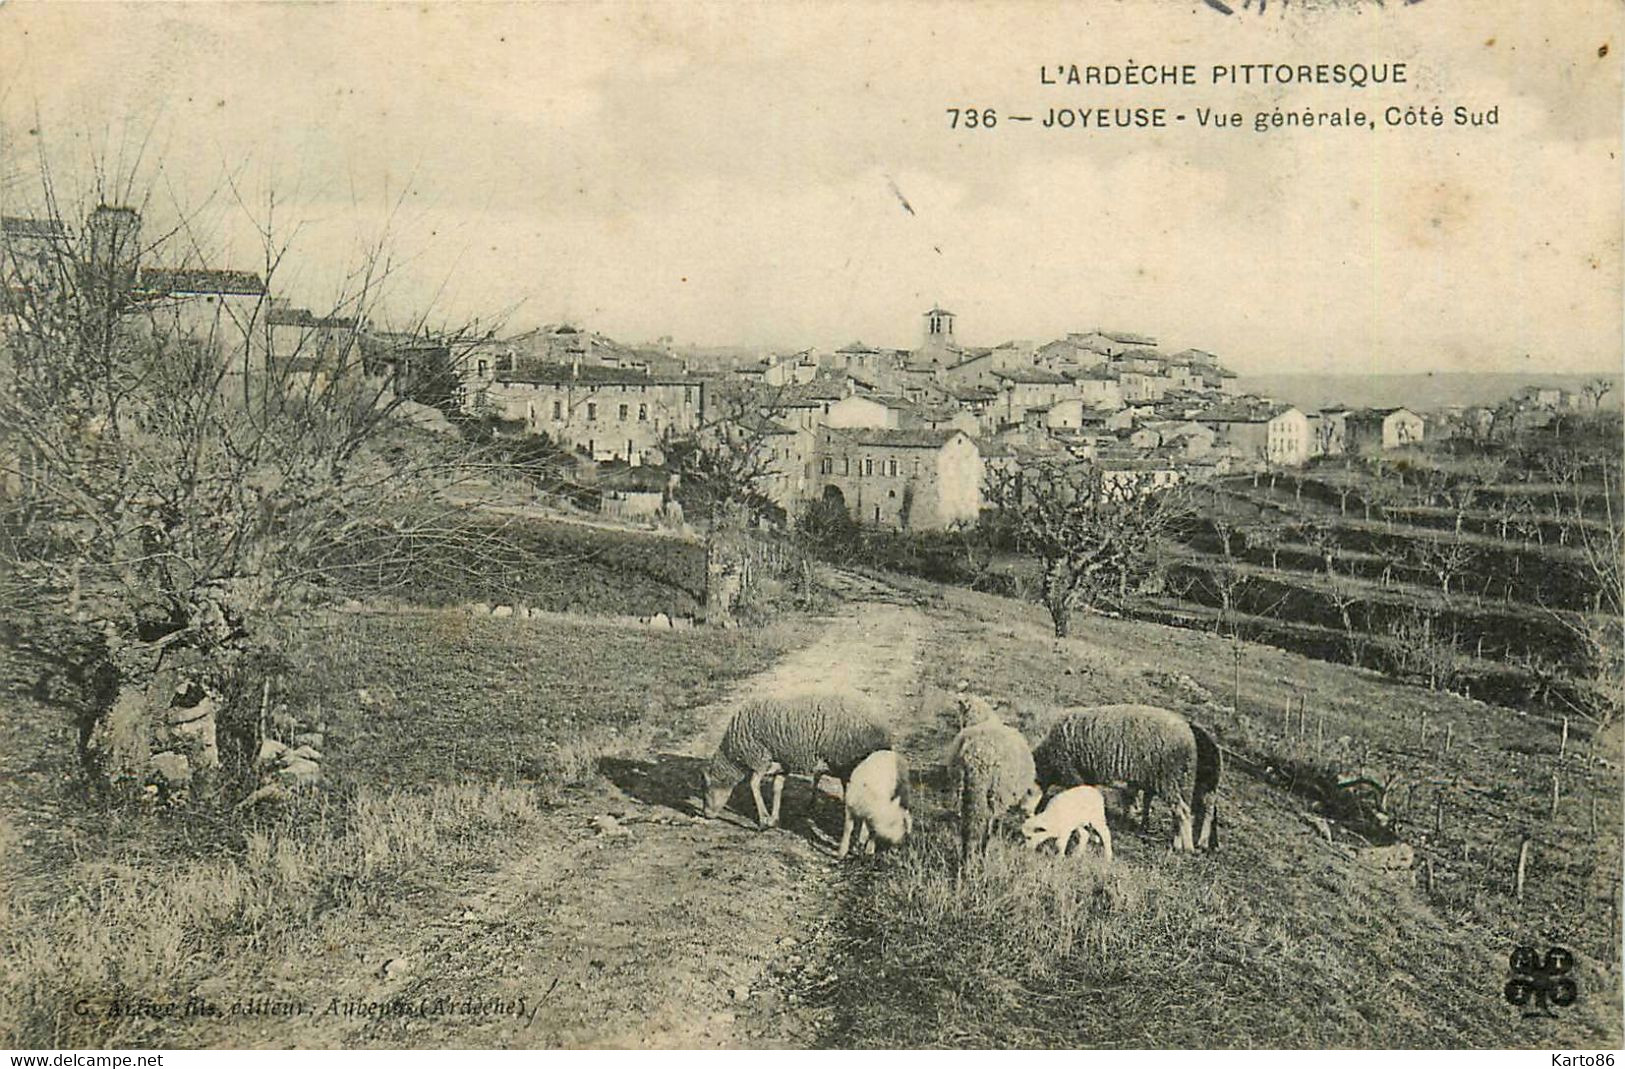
x=472 y=752
x=548 y=564
x=450 y=738
x=1279 y=939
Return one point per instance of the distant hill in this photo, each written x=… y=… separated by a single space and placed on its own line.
x=1423 y=391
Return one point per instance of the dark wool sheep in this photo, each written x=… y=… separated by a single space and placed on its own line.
x=800 y=734
x=1205 y=806
x=1150 y=749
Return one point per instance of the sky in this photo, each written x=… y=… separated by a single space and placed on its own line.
x=785 y=174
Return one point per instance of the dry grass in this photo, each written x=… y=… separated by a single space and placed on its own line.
x=447 y=741
x=155 y=931
x=1278 y=940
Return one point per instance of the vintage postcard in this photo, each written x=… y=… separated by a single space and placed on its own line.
x=815 y=525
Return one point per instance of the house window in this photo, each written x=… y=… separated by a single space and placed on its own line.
x=558 y=409
x=643 y=413
x=482 y=369
x=893 y=468
x=629 y=450
x=916 y=465
x=877 y=513
x=846 y=465
x=624 y=411
x=868 y=466
x=592 y=409
x=826 y=466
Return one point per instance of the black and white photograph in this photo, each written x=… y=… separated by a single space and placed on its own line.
x=816 y=525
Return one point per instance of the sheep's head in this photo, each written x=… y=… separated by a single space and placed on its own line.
x=715 y=789
x=1031 y=797
x=892 y=824
x=1035 y=831
x=973 y=709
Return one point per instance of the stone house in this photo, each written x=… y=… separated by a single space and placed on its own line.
x=1374 y=429
x=1024 y=388
x=1263 y=431
x=907 y=479
x=607 y=413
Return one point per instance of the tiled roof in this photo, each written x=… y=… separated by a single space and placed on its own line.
x=1243 y=411
x=586 y=375
x=1031 y=375
x=200 y=280
x=17 y=226
x=937 y=310
x=905 y=438
x=290 y=317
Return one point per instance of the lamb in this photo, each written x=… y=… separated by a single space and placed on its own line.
x=1205 y=805
x=803 y=734
x=877 y=799
x=1150 y=749
x=1075 y=811
x=994 y=767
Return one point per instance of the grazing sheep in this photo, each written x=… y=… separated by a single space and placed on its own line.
x=1075 y=811
x=877 y=800
x=994 y=767
x=1150 y=749
x=1205 y=805
x=802 y=734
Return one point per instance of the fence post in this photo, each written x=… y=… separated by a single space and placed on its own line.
x=1449 y=736
x=1320 y=733
x=1422 y=738
x=1523 y=864
x=1553 y=815
x=1563 y=743
x=1438 y=813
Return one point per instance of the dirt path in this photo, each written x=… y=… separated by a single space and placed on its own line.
x=666 y=930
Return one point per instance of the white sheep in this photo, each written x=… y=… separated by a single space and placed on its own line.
x=877 y=801
x=1074 y=811
x=1150 y=749
x=994 y=767
x=803 y=734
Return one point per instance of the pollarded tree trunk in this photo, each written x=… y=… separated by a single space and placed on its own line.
x=725 y=573
x=160 y=730
x=1057 y=593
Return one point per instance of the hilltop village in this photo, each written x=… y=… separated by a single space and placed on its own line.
x=903 y=438
x=879 y=427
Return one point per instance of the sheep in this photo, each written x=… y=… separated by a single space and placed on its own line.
x=804 y=734
x=994 y=767
x=1074 y=811
x=1150 y=749
x=877 y=799
x=1205 y=804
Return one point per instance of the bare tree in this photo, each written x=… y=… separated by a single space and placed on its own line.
x=1095 y=535
x=725 y=467
x=175 y=478
x=1443 y=558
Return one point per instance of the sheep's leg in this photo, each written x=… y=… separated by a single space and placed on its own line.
x=1145 y=808
x=756 y=793
x=778 y=796
x=1105 y=840
x=846 y=832
x=1182 y=826
x=865 y=837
